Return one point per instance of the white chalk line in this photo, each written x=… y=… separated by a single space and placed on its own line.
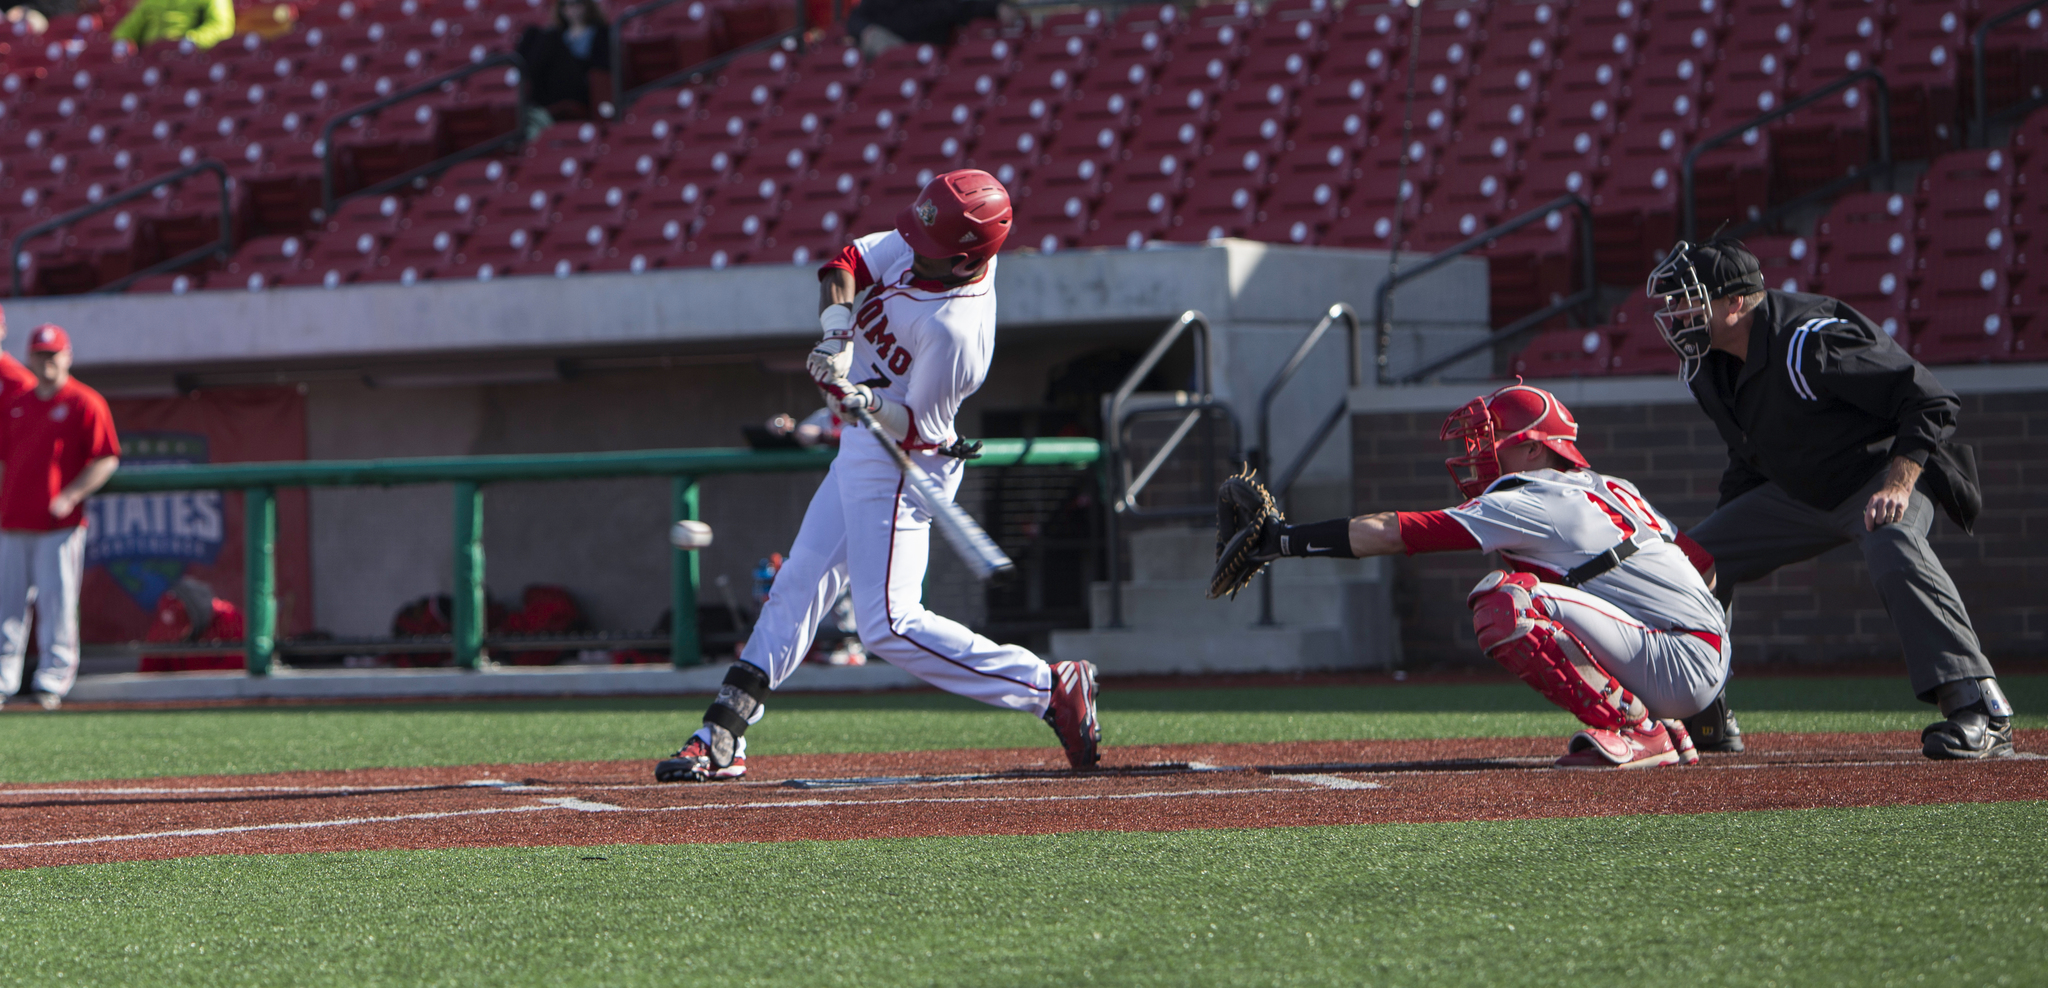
x=1334 y=781
x=582 y=806
x=256 y=790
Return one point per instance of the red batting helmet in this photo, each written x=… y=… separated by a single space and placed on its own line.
x=959 y=212
x=1511 y=416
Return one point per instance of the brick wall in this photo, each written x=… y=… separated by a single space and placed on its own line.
x=1820 y=611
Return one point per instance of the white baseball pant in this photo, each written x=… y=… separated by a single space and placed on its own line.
x=44 y=568
x=868 y=529
x=1675 y=673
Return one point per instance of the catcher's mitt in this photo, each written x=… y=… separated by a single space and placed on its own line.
x=1247 y=533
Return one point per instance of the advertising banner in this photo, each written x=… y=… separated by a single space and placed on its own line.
x=138 y=545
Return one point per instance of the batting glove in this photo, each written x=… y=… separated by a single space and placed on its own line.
x=832 y=359
x=892 y=417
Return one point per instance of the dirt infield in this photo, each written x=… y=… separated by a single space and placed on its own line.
x=957 y=793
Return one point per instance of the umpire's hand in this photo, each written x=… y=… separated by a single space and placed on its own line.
x=1889 y=503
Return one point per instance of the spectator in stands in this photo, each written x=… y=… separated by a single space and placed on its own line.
x=57 y=446
x=205 y=23
x=35 y=15
x=879 y=25
x=559 y=60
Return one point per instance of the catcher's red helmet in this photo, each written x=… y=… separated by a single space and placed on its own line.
x=1511 y=416
x=959 y=212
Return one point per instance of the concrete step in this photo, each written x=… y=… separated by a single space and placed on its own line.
x=1183 y=605
x=1173 y=554
x=1137 y=652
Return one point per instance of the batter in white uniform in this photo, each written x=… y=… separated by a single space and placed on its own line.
x=1607 y=608
x=909 y=320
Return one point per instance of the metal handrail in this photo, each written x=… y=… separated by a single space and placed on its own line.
x=1190 y=319
x=224 y=244
x=517 y=135
x=1687 y=194
x=1282 y=482
x=543 y=466
x=1116 y=478
x=1589 y=288
x=1980 y=124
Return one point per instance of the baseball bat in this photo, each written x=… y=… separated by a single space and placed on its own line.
x=981 y=554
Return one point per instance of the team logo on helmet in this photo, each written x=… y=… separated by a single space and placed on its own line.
x=927 y=212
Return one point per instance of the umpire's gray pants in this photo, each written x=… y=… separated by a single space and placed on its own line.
x=43 y=568
x=1767 y=528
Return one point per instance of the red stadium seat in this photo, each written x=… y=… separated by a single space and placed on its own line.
x=1638 y=347
x=1789 y=264
x=1531 y=266
x=1564 y=353
x=1871 y=227
x=1500 y=102
x=1584 y=97
x=1050 y=222
x=1133 y=214
x=1213 y=210
x=1877 y=289
x=1238 y=132
x=1557 y=163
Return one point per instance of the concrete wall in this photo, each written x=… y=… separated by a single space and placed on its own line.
x=1820 y=611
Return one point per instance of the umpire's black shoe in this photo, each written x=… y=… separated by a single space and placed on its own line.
x=1968 y=733
x=1714 y=729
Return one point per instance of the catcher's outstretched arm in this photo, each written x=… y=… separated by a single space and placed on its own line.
x=1251 y=532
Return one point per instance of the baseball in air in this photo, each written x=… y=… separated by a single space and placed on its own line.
x=689 y=535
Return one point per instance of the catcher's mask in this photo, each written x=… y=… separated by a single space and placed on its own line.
x=1513 y=415
x=1688 y=280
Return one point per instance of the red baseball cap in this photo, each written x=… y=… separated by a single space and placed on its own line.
x=48 y=338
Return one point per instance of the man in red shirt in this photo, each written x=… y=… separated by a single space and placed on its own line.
x=57 y=446
x=14 y=378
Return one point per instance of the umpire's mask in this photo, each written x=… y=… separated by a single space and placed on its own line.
x=1687 y=282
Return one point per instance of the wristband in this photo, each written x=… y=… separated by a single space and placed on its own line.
x=837 y=321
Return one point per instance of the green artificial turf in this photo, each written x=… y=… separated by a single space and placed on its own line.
x=1948 y=895
x=79 y=744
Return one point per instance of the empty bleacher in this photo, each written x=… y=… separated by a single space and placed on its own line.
x=1113 y=127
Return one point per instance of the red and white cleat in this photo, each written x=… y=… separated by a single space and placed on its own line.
x=1681 y=739
x=693 y=764
x=1072 y=712
x=1646 y=746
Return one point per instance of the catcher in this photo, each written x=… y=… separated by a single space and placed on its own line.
x=1606 y=608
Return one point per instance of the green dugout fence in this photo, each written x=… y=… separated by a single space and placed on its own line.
x=259 y=483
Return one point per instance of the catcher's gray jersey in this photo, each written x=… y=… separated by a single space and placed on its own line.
x=1550 y=521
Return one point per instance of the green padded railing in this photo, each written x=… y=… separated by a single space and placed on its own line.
x=469 y=474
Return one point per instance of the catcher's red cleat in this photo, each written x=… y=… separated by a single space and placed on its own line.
x=1647 y=745
x=693 y=764
x=1072 y=712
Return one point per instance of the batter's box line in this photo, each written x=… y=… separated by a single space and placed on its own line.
x=580 y=806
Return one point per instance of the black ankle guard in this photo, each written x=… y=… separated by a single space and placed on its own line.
x=740 y=699
x=1322 y=538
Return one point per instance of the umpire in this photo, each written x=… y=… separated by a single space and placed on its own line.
x=1834 y=435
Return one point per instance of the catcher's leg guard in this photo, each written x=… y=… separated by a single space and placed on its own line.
x=742 y=699
x=1546 y=655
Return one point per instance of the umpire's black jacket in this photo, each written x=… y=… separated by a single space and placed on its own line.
x=1824 y=401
